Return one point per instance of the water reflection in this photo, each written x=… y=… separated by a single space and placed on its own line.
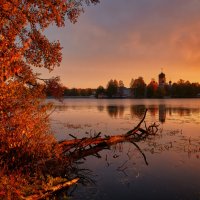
x=172 y=155
x=137 y=111
x=115 y=111
x=125 y=163
x=162 y=113
x=100 y=108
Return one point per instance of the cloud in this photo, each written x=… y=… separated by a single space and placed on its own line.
x=118 y=36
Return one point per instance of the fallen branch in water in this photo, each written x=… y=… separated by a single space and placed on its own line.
x=50 y=191
x=76 y=149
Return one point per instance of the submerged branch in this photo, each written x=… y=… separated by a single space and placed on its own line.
x=145 y=159
x=76 y=149
x=79 y=148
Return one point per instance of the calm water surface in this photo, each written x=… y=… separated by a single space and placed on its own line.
x=173 y=155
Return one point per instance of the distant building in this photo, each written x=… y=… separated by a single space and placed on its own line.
x=126 y=92
x=162 y=79
x=123 y=92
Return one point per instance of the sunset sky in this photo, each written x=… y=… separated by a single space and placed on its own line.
x=124 y=39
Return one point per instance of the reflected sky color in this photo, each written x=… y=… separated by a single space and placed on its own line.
x=121 y=172
x=116 y=116
x=125 y=39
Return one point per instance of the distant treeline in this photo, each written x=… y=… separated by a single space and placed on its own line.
x=74 y=92
x=137 y=89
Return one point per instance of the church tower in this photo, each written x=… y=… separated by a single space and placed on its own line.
x=161 y=79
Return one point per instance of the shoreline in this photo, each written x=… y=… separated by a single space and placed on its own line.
x=89 y=97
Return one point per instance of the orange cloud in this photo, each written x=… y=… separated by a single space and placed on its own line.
x=127 y=39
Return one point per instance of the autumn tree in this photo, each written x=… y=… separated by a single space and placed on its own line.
x=152 y=88
x=23 y=47
x=138 y=87
x=25 y=135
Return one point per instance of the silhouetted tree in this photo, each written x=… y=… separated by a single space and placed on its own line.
x=112 y=88
x=161 y=92
x=66 y=91
x=152 y=88
x=100 y=91
x=139 y=87
x=89 y=91
x=74 y=92
x=120 y=88
x=185 y=89
x=132 y=87
x=82 y=92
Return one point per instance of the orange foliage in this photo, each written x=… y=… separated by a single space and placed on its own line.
x=25 y=135
x=23 y=46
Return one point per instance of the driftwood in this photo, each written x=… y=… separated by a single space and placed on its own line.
x=50 y=191
x=76 y=149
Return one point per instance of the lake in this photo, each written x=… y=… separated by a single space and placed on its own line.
x=173 y=154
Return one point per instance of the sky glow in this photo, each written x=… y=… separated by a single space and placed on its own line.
x=124 y=39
